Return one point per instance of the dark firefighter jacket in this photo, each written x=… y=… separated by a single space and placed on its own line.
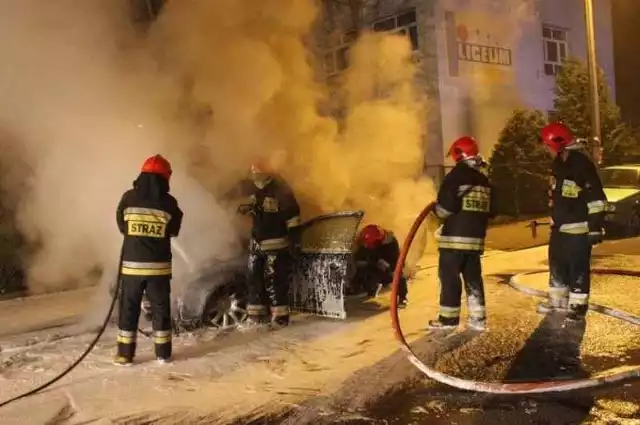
x=275 y=211
x=577 y=200
x=148 y=217
x=384 y=257
x=466 y=202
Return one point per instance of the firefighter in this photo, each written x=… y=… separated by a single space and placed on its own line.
x=274 y=245
x=578 y=205
x=148 y=217
x=465 y=204
x=376 y=256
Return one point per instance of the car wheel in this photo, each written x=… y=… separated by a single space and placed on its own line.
x=224 y=311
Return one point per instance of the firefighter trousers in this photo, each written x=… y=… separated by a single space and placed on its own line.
x=270 y=273
x=158 y=290
x=569 y=270
x=452 y=264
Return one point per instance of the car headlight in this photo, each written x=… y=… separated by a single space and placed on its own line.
x=611 y=207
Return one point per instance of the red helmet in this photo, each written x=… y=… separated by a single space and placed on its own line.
x=464 y=148
x=557 y=136
x=157 y=164
x=372 y=235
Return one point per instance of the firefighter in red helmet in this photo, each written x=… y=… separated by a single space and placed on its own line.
x=578 y=205
x=377 y=253
x=274 y=245
x=465 y=204
x=148 y=217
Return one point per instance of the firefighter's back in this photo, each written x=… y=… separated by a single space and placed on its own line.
x=467 y=229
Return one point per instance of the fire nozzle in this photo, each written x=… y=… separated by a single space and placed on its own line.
x=534 y=224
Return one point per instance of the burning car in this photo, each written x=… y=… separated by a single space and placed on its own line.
x=215 y=296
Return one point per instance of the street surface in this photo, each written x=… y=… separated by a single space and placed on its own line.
x=328 y=372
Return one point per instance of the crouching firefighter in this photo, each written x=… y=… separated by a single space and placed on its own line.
x=376 y=256
x=465 y=204
x=148 y=217
x=578 y=205
x=274 y=245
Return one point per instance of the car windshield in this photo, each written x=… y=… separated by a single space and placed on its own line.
x=617 y=177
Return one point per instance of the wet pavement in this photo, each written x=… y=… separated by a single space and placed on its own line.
x=376 y=384
x=551 y=351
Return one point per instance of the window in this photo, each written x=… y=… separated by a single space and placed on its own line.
x=556 y=48
x=336 y=60
x=404 y=23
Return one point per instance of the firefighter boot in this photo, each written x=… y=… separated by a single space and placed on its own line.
x=443 y=323
x=477 y=324
x=126 y=348
x=279 y=322
x=551 y=305
x=577 y=312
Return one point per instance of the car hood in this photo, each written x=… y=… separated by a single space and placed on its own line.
x=618 y=194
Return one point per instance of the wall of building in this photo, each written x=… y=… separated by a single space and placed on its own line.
x=481 y=59
x=498 y=55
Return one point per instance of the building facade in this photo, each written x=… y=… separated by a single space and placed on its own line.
x=479 y=59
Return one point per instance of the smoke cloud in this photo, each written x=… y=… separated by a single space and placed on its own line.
x=212 y=85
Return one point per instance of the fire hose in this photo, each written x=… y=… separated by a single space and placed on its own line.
x=99 y=334
x=86 y=352
x=501 y=387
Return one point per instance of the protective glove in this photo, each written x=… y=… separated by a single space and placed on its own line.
x=596 y=237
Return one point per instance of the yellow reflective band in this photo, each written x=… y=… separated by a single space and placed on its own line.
x=467 y=188
x=449 y=312
x=148 y=212
x=162 y=339
x=578 y=299
x=145 y=218
x=273 y=244
x=293 y=222
x=126 y=337
x=125 y=340
x=596 y=207
x=560 y=291
x=476 y=309
x=280 y=310
x=134 y=268
x=146 y=272
x=461 y=243
x=255 y=309
x=581 y=228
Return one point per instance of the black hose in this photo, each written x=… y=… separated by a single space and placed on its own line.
x=93 y=343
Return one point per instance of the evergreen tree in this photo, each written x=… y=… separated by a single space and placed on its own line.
x=519 y=165
x=572 y=106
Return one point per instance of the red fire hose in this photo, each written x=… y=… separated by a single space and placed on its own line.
x=497 y=387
